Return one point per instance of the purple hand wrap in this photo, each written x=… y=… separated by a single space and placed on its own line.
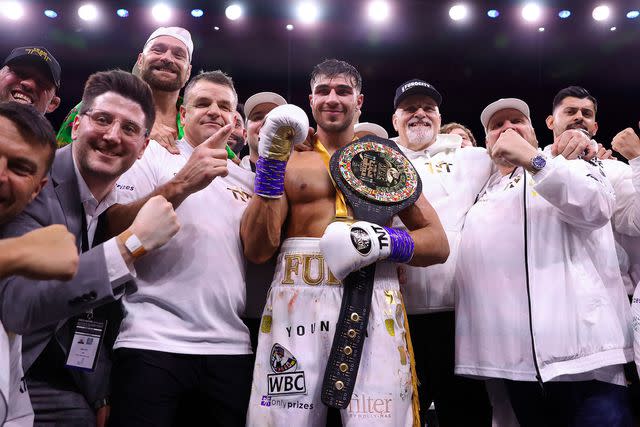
x=269 y=177
x=402 y=245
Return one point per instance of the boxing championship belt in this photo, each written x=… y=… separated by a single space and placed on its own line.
x=378 y=181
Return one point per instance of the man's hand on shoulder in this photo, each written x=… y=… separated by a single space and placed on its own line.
x=46 y=253
x=165 y=136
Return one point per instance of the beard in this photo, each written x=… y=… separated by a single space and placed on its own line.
x=160 y=84
x=334 y=127
x=420 y=135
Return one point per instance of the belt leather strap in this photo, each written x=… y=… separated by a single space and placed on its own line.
x=346 y=351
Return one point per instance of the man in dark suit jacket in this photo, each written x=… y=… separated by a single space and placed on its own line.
x=110 y=133
x=27 y=147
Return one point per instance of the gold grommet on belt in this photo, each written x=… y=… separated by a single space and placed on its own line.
x=339 y=385
x=355 y=317
x=351 y=333
x=348 y=350
x=344 y=367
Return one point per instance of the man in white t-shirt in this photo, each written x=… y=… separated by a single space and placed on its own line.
x=182 y=331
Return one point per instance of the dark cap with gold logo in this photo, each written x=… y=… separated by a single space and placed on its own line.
x=37 y=56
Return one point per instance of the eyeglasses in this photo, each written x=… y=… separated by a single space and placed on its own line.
x=103 y=121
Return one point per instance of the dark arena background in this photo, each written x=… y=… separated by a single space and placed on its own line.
x=490 y=53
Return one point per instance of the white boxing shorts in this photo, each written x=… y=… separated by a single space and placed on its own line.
x=295 y=338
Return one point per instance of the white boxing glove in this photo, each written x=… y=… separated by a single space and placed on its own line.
x=283 y=127
x=348 y=248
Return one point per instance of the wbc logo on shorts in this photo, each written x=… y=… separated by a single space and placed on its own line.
x=286 y=379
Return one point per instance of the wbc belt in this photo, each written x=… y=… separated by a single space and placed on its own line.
x=378 y=181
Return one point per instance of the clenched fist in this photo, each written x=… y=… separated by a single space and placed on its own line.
x=627 y=143
x=513 y=148
x=46 y=253
x=574 y=144
x=155 y=223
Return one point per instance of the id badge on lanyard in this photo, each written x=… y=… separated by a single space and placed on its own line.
x=88 y=334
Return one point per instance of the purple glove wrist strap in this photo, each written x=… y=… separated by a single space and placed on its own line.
x=402 y=245
x=269 y=177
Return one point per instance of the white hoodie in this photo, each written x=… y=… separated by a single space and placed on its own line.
x=580 y=316
x=451 y=179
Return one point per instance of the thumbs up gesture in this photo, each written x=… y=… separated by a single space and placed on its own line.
x=207 y=161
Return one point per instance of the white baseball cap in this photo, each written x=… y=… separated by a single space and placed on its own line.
x=262 y=98
x=373 y=128
x=177 y=33
x=503 y=104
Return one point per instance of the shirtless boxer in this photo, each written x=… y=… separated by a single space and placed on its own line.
x=300 y=315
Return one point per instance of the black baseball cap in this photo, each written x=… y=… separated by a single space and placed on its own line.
x=414 y=87
x=38 y=56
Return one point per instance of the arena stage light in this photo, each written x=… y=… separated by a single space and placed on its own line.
x=378 y=11
x=12 y=10
x=161 y=12
x=197 y=13
x=88 y=12
x=307 y=12
x=633 y=14
x=50 y=13
x=531 y=12
x=458 y=12
x=289 y=27
x=122 y=13
x=601 y=13
x=233 y=12
x=493 y=13
x=564 y=14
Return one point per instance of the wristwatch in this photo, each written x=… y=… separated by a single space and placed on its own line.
x=538 y=162
x=132 y=243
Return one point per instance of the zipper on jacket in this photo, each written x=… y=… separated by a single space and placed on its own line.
x=526 y=271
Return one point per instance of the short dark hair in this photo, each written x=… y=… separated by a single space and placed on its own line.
x=124 y=84
x=334 y=67
x=576 y=92
x=32 y=126
x=217 y=77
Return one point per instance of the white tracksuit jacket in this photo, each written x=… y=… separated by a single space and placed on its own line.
x=15 y=406
x=451 y=179
x=579 y=318
x=625 y=180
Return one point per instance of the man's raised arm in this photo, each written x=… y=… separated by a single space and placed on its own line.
x=263 y=219
x=208 y=160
